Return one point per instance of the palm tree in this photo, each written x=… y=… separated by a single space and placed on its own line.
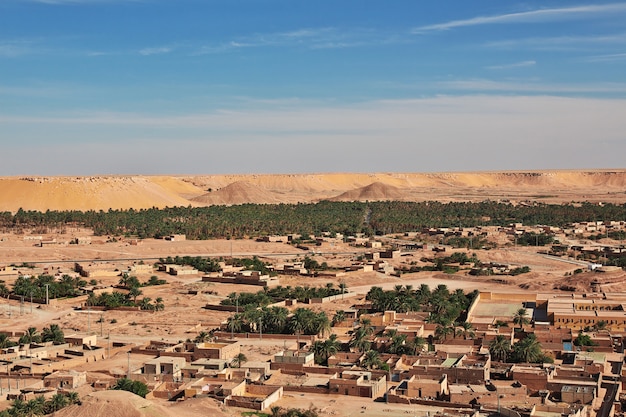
x=339 y=317
x=360 y=339
x=235 y=323
x=371 y=360
x=34 y=407
x=325 y=349
x=202 y=337
x=418 y=344
x=73 y=397
x=5 y=342
x=442 y=332
x=57 y=402
x=158 y=304
x=465 y=329
x=343 y=287
x=499 y=348
x=322 y=324
x=145 y=304
x=133 y=293
x=238 y=360
x=398 y=344
x=31 y=336
x=528 y=350
x=520 y=318
x=53 y=334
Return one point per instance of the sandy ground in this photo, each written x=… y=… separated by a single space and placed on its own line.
x=123 y=192
x=185 y=316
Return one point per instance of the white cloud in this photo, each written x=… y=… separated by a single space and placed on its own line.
x=530 y=86
x=155 y=51
x=313 y=38
x=80 y=2
x=533 y=16
x=520 y=64
x=606 y=58
x=15 y=48
x=559 y=42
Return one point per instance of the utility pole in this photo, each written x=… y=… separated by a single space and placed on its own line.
x=128 y=365
x=47 y=299
x=101 y=322
x=260 y=328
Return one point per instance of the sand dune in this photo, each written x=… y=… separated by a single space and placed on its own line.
x=376 y=191
x=114 y=403
x=239 y=192
x=123 y=192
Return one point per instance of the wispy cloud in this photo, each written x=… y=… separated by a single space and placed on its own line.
x=532 y=16
x=606 y=58
x=559 y=42
x=79 y=2
x=513 y=65
x=531 y=86
x=14 y=48
x=156 y=51
x=312 y=38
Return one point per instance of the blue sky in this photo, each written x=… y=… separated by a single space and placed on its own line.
x=284 y=86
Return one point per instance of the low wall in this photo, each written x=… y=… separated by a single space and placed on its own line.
x=219 y=307
x=308 y=390
x=400 y=399
x=302 y=338
x=332 y=298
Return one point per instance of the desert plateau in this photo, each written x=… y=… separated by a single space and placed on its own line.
x=140 y=192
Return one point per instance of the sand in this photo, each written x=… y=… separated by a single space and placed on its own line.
x=124 y=192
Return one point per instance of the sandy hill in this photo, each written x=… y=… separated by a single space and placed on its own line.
x=239 y=192
x=114 y=403
x=123 y=192
x=376 y=191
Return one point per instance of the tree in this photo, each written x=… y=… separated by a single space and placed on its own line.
x=418 y=344
x=238 y=360
x=528 y=350
x=30 y=336
x=57 y=402
x=442 y=332
x=73 y=397
x=360 y=339
x=203 y=337
x=146 y=304
x=339 y=317
x=520 y=318
x=136 y=387
x=397 y=344
x=5 y=342
x=372 y=360
x=465 y=329
x=53 y=334
x=133 y=293
x=499 y=348
x=584 y=340
x=325 y=349
x=158 y=304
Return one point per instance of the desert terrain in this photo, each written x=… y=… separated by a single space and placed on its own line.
x=185 y=297
x=124 y=192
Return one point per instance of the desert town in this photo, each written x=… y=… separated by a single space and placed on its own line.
x=183 y=341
